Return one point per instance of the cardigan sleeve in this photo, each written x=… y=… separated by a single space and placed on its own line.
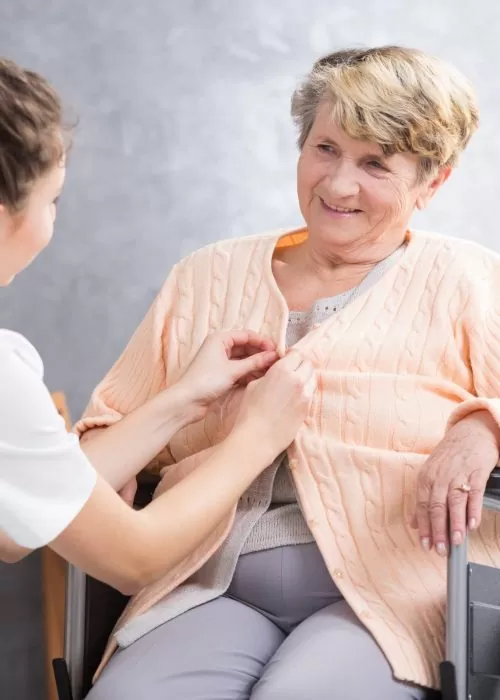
x=140 y=372
x=481 y=326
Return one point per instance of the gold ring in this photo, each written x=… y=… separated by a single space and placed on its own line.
x=465 y=488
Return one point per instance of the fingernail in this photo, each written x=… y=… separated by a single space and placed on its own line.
x=472 y=523
x=456 y=538
x=441 y=549
x=426 y=543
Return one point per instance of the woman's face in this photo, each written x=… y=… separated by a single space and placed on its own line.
x=357 y=202
x=24 y=234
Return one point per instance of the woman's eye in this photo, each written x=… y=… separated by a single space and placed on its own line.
x=376 y=164
x=326 y=148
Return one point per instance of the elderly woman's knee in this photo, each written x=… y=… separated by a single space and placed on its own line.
x=286 y=686
x=285 y=680
x=112 y=687
x=280 y=687
x=341 y=679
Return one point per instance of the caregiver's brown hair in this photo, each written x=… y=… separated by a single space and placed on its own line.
x=402 y=99
x=31 y=132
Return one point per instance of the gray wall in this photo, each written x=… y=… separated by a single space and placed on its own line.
x=184 y=138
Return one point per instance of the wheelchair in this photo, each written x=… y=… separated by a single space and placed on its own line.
x=471 y=670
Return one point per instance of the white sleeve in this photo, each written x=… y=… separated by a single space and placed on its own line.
x=45 y=478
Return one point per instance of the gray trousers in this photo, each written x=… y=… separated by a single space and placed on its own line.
x=282 y=632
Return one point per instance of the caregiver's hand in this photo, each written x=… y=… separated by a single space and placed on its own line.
x=226 y=358
x=273 y=408
x=453 y=481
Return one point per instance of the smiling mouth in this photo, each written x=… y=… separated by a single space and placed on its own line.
x=339 y=210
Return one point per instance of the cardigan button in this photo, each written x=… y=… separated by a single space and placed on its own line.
x=338 y=573
x=293 y=464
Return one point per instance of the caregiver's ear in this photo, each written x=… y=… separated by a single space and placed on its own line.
x=4 y=220
x=431 y=186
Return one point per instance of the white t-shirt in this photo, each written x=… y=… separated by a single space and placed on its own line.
x=45 y=478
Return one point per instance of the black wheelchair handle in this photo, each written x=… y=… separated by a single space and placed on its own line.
x=493 y=485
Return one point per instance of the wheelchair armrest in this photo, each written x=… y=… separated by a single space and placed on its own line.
x=493 y=485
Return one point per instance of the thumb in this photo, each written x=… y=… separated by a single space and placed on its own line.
x=255 y=363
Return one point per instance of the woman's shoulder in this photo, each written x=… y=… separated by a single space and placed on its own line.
x=469 y=269
x=13 y=344
x=230 y=248
x=466 y=254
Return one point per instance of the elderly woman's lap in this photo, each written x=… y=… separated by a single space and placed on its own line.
x=230 y=651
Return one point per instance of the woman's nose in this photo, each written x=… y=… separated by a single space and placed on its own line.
x=342 y=179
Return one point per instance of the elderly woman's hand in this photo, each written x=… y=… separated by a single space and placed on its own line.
x=453 y=480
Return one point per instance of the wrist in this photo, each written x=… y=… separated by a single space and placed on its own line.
x=486 y=425
x=253 y=444
x=175 y=405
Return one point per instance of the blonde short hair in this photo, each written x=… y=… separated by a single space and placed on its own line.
x=402 y=99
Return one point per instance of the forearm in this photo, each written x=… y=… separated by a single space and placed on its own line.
x=130 y=549
x=121 y=451
x=194 y=507
x=10 y=551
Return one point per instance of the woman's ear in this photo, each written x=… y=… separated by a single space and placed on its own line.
x=8 y=224
x=430 y=188
x=4 y=220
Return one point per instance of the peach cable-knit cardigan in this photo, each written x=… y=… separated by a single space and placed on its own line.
x=419 y=349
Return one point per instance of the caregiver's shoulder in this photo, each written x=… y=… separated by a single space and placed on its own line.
x=24 y=399
x=15 y=348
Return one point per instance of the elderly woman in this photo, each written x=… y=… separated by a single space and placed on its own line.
x=317 y=586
